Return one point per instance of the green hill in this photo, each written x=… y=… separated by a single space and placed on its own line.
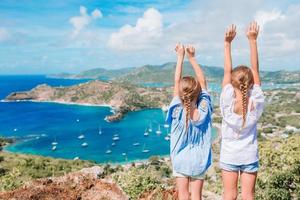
x=163 y=74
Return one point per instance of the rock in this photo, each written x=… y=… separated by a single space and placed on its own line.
x=297 y=96
x=95 y=171
x=78 y=185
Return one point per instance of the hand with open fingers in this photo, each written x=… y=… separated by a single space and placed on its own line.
x=252 y=31
x=180 y=50
x=230 y=33
x=190 y=50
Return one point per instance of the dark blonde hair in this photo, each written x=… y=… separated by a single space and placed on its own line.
x=242 y=79
x=189 y=90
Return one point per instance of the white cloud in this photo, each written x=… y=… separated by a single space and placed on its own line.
x=143 y=35
x=263 y=17
x=4 y=35
x=80 y=22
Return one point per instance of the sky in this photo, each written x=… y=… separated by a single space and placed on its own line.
x=45 y=37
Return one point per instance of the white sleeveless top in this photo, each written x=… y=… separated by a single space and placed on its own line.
x=239 y=145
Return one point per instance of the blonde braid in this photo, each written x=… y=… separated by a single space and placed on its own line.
x=189 y=90
x=187 y=106
x=244 y=90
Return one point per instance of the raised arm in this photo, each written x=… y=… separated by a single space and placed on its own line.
x=190 y=50
x=178 y=71
x=252 y=33
x=229 y=36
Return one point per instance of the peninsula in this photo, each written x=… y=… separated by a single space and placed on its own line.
x=121 y=96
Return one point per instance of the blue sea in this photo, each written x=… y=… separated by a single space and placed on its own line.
x=36 y=125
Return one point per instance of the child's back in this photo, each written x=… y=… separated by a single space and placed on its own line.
x=190 y=148
x=239 y=142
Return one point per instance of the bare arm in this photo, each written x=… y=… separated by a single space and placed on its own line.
x=229 y=36
x=178 y=71
x=252 y=34
x=197 y=68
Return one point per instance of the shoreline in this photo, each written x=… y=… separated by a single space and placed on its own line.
x=60 y=102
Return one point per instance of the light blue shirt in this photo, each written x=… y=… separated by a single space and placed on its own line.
x=190 y=150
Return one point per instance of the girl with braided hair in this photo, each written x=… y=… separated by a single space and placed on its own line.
x=241 y=104
x=189 y=115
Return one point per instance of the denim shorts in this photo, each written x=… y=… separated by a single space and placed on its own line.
x=177 y=174
x=249 y=168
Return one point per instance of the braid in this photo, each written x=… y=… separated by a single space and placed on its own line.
x=244 y=90
x=189 y=91
x=187 y=106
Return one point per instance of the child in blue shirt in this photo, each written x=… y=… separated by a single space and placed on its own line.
x=190 y=117
x=241 y=103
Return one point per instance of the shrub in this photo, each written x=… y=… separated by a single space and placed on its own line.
x=135 y=181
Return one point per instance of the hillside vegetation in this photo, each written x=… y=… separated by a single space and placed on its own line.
x=164 y=74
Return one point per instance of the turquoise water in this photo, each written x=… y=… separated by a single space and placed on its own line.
x=40 y=124
x=37 y=125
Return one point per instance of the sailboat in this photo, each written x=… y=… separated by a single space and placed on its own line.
x=85 y=144
x=108 y=151
x=145 y=150
x=100 y=130
x=150 y=128
x=168 y=136
x=115 y=138
x=136 y=144
x=166 y=125
x=54 y=143
x=146 y=133
x=81 y=136
x=158 y=132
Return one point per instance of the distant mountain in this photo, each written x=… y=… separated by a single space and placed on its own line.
x=281 y=76
x=163 y=74
x=97 y=73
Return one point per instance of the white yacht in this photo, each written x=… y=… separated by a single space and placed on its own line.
x=115 y=138
x=76 y=158
x=85 y=144
x=81 y=136
x=150 y=128
x=54 y=148
x=136 y=144
x=146 y=133
x=145 y=150
x=166 y=125
x=108 y=151
x=100 y=131
x=55 y=142
x=158 y=132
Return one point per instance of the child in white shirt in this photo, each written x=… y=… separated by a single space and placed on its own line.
x=241 y=104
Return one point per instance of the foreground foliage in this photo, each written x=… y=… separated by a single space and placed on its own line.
x=15 y=169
